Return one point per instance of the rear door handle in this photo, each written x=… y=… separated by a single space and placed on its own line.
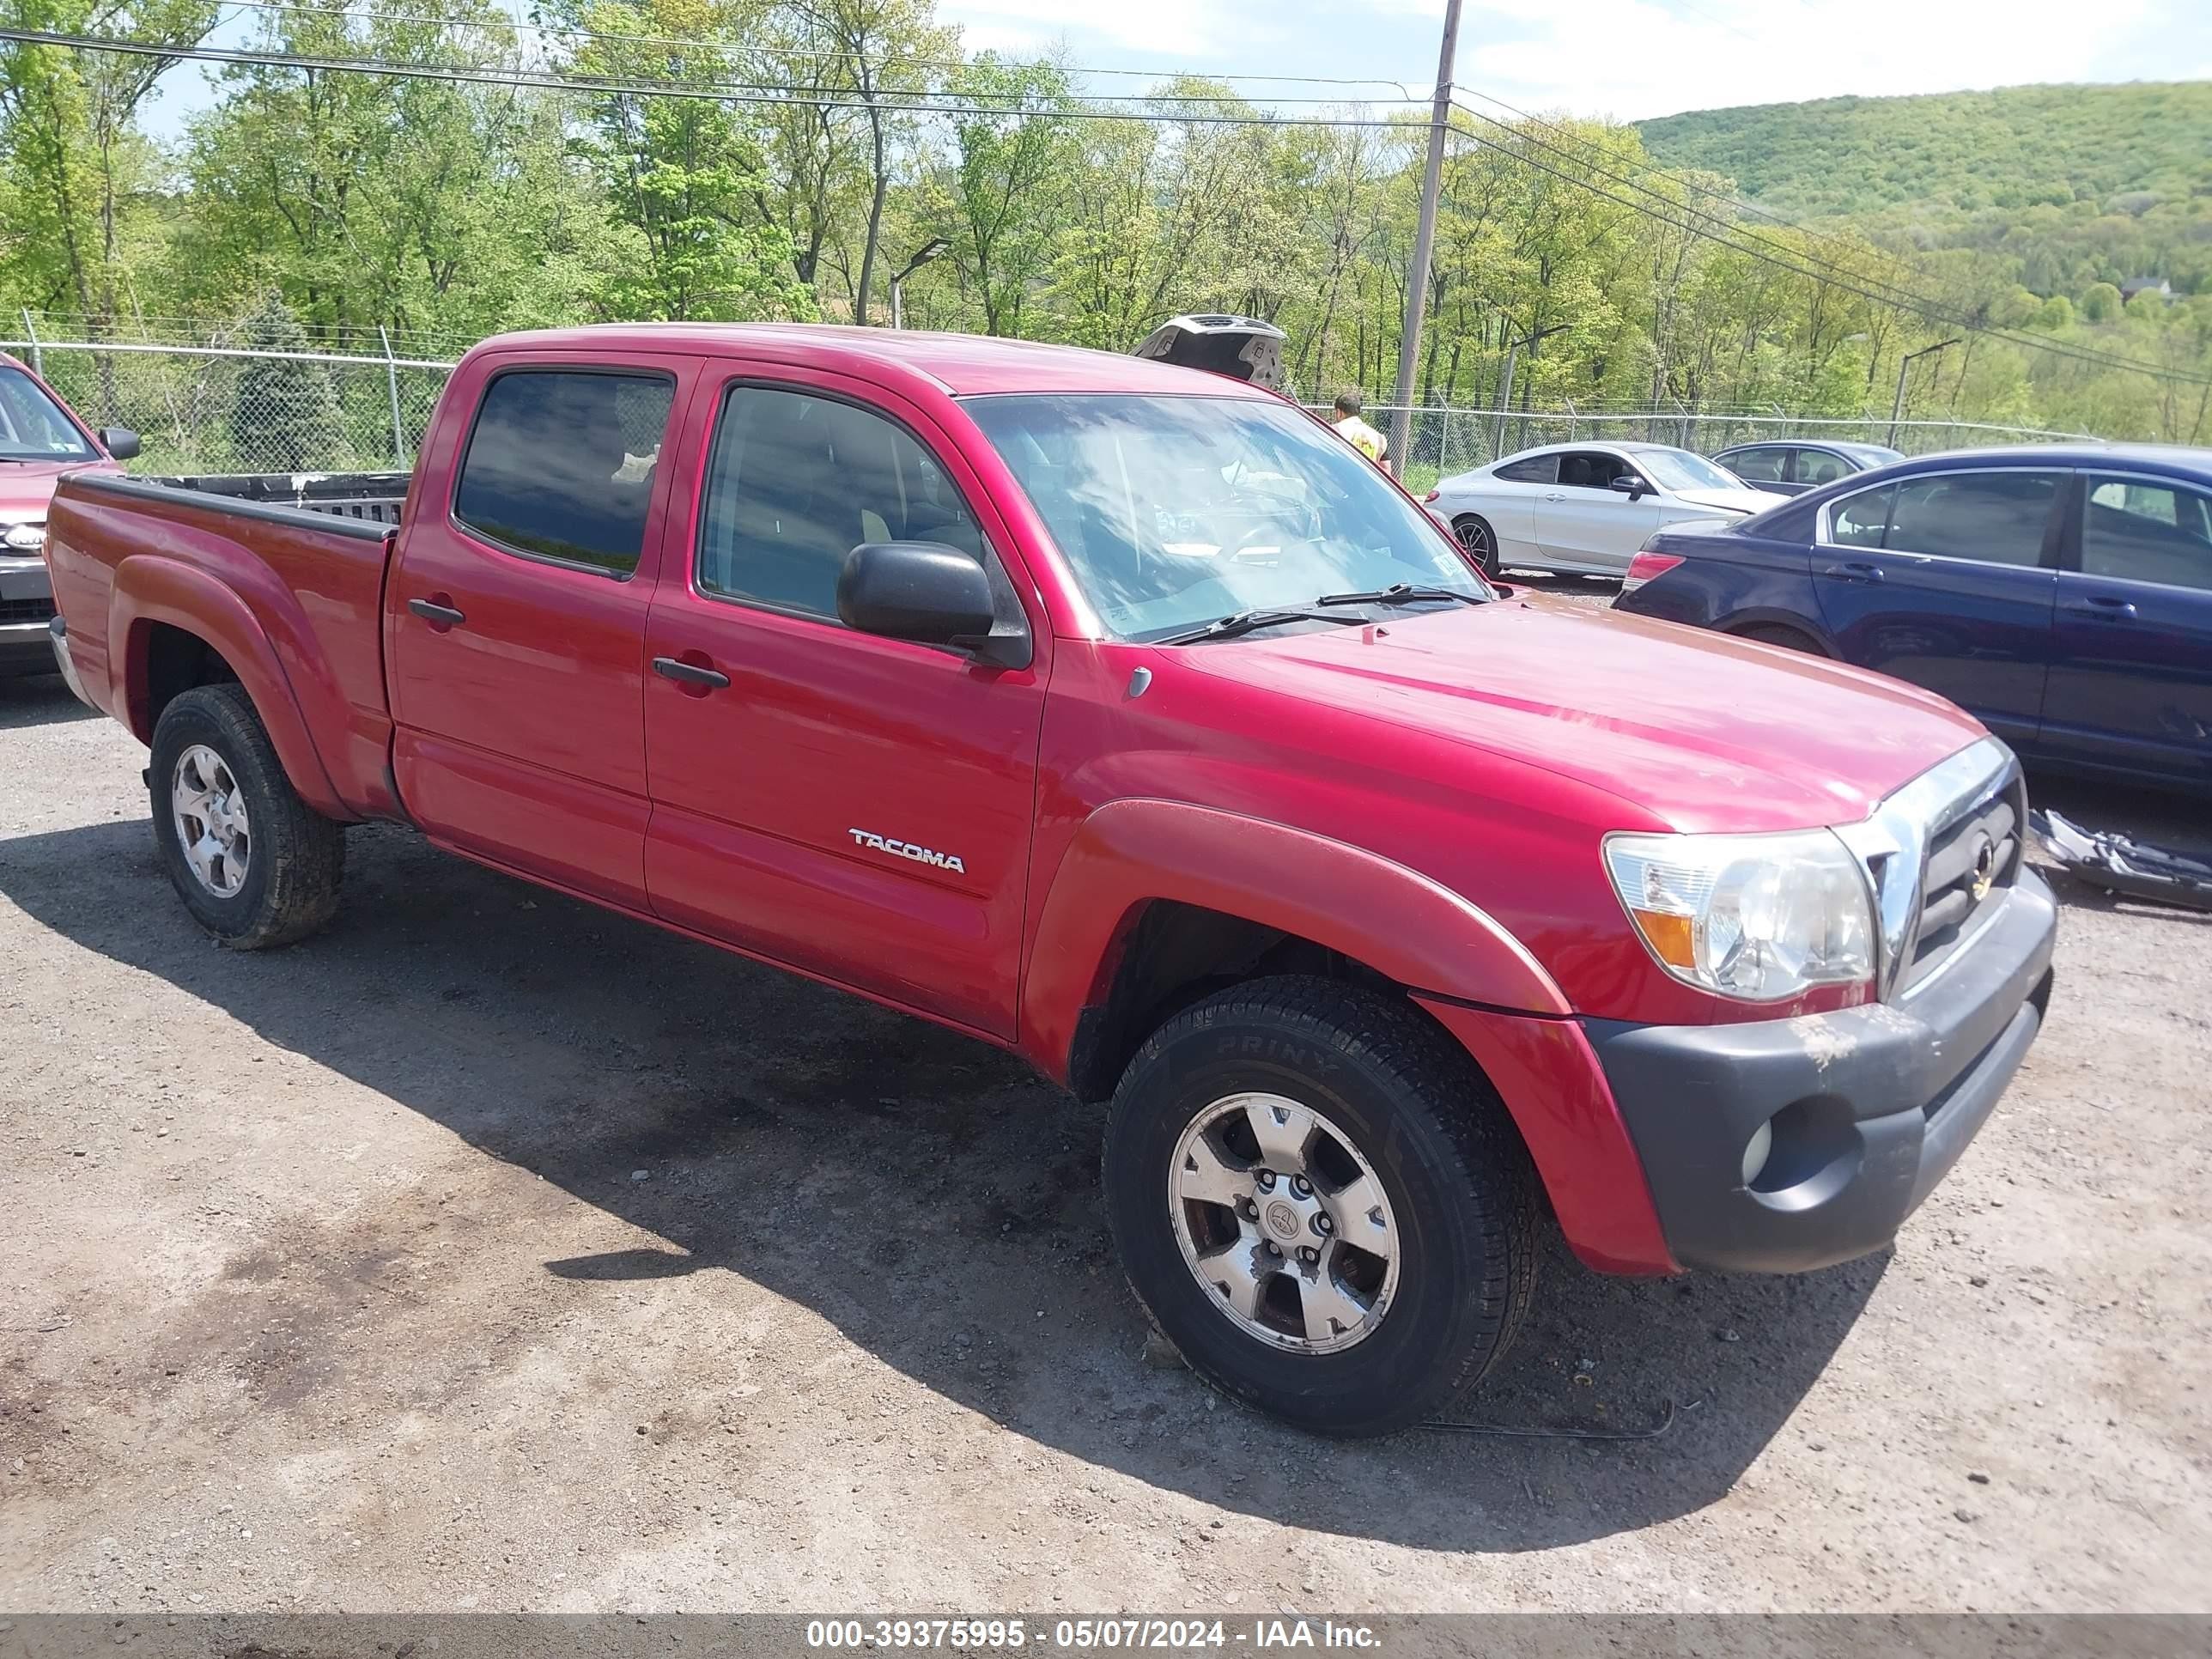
x=689 y=673
x=2103 y=607
x=1855 y=572
x=441 y=616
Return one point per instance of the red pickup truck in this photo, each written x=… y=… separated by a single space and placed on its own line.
x=1120 y=715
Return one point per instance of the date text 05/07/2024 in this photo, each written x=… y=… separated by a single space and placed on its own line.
x=1088 y=1635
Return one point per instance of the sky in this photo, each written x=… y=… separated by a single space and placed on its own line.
x=1628 y=59
x=1625 y=59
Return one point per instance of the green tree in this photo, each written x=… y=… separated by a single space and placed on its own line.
x=2100 y=303
x=996 y=197
x=284 y=411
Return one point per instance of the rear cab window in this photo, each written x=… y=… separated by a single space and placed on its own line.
x=560 y=464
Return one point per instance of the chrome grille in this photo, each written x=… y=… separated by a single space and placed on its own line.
x=1972 y=859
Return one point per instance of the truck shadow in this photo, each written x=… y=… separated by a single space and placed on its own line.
x=927 y=1195
x=38 y=699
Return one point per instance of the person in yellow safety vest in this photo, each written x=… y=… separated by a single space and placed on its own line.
x=1355 y=432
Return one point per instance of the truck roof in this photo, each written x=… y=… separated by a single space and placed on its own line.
x=961 y=364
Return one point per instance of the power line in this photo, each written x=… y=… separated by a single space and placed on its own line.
x=572 y=32
x=894 y=104
x=1711 y=228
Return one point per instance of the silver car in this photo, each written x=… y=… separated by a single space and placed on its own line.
x=1584 y=508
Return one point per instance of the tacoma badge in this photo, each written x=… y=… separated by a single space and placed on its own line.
x=906 y=850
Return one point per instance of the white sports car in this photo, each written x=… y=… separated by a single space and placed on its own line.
x=1584 y=508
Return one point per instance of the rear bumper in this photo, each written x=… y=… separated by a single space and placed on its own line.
x=1866 y=1109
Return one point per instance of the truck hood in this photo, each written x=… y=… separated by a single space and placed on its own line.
x=1702 y=731
x=25 y=487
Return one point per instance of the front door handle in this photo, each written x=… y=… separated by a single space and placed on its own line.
x=689 y=673
x=1855 y=572
x=439 y=614
x=2103 y=607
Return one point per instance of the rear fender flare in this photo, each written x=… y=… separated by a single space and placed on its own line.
x=150 y=589
x=1132 y=852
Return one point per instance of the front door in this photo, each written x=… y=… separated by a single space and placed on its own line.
x=514 y=622
x=1947 y=579
x=1587 y=523
x=2131 y=672
x=855 y=806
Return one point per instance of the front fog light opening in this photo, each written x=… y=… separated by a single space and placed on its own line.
x=1756 y=1151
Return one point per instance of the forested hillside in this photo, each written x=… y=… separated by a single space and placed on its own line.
x=2070 y=185
x=743 y=159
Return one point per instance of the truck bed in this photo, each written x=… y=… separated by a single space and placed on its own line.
x=293 y=566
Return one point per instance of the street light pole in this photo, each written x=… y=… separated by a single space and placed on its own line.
x=929 y=251
x=1424 y=239
x=1897 y=407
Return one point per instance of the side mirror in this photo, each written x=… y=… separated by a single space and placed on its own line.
x=920 y=591
x=119 y=441
x=1629 y=485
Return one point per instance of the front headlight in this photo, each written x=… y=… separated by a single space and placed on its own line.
x=23 y=538
x=1755 y=917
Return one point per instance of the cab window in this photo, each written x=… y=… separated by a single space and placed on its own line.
x=796 y=482
x=560 y=464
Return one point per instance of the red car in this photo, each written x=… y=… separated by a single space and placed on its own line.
x=1118 y=715
x=41 y=438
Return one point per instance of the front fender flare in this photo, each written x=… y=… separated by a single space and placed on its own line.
x=150 y=589
x=1131 y=853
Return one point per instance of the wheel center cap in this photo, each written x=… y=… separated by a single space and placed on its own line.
x=1283 y=1219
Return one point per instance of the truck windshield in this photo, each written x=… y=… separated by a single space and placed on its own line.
x=31 y=425
x=1173 y=512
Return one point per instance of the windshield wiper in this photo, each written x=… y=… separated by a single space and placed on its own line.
x=1399 y=593
x=1243 y=621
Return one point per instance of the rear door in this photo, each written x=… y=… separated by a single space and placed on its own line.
x=2132 y=669
x=1763 y=466
x=1948 y=579
x=1585 y=522
x=1811 y=468
x=514 y=619
x=857 y=807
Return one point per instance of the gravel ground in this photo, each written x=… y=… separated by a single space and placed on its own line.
x=492 y=1252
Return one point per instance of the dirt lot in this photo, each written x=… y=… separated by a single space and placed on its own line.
x=492 y=1252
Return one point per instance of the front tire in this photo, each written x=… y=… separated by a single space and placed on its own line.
x=1321 y=1203
x=255 y=865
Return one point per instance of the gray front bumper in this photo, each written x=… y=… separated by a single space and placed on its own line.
x=1870 y=1107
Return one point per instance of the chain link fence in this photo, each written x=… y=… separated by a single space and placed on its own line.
x=224 y=408
x=1444 y=441
x=213 y=408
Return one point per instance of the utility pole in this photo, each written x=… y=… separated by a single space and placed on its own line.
x=1424 y=239
x=1897 y=407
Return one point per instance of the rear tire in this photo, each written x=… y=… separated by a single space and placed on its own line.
x=1358 y=1341
x=255 y=865
x=1478 y=541
x=1789 y=639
